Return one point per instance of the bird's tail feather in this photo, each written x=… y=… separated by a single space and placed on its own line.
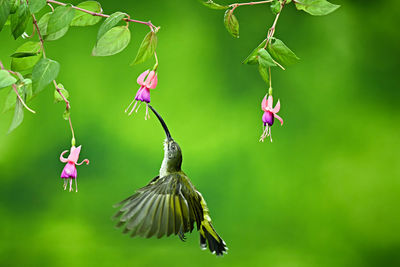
x=208 y=236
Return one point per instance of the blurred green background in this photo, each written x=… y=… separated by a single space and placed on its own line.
x=326 y=192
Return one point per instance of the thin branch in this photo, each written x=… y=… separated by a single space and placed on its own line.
x=271 y=30
x=39 y=34
x=250 y=3
x=148 y=23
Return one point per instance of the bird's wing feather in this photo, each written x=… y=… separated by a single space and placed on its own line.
x=163 y=207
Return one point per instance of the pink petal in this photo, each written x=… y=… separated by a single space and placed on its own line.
x=85 y=160
x=153 y=82
x=140 y=79
x=277 y=107
x=74 y=155
x=270 y=102
x=62 y=159
x=264 y=103
x=69 y=171
x=279 y=118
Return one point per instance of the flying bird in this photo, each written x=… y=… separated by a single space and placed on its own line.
x=169 y=204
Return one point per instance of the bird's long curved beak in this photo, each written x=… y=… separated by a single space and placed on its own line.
x=162 y=123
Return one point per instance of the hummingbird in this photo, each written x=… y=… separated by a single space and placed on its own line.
x=169 y=204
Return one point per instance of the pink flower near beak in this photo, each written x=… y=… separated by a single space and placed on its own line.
x=69 y=172
x=147 y=80
x=269 y=116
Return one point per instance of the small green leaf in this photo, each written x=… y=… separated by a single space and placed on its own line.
x=26 y=56
x=6 y=79
x=265 y=59
x=281 y=53
x=316 y=7
x=19 y=20
x=36 y=5
x=85 y=19
x=42 y=24
x=44 y=72
x=14 y=4
x=4 y=12
x=18 y=116
x=56 y=35
x=275 y=7
x=24 y=89
x=146 y=49
x=252 y=58
x=61 y=18
x=112 y=42
x=66 y=115
x=211 y=4
x=231 y=23
x=110 y=22
x=264 y=73
x=43 y=21
x=57 y=97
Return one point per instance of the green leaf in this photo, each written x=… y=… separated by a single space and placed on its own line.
x=4 y=12
x=146 y=49
x=316 y=7
x=21 y=61
x=14 y=4
x=57 y=97
x=61 y=18
x=112 y=42
x=24 y=89
x=18 y=116
x=6 y=79
x=43 y=21
x=36 y=5
x=19 y=20
x=252 y=58
x=231 y=23
x=44 y=72
x=110 y=22
x=66 y=115
x=211 y=4
x=275 y=7
x=281 y=53
x=264 y=73
x=56 y=35
x=85 y=19
x=265 y=59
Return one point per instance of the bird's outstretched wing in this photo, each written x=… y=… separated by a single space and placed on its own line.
x=163 y=207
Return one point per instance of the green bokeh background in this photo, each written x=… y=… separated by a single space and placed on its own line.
x=326 y=192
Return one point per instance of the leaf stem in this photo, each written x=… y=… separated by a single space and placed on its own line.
x=148 y=23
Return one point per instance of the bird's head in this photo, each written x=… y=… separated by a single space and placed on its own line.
x=173 y=153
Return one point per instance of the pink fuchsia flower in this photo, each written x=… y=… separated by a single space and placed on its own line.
x=143 y=94
x=269 y=116
x=69 y=171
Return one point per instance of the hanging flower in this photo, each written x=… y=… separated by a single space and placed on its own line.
x=269 y=116
x=69 y=172
x=143 y=94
